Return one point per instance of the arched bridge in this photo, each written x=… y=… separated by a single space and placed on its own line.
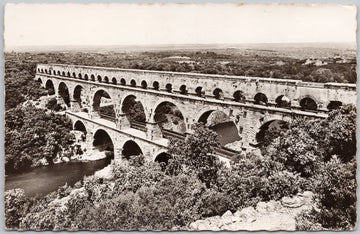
x=99 y=99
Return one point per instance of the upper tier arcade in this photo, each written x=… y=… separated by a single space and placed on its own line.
x=266 y=91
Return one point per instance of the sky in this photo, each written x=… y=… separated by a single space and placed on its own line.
x=154 y=24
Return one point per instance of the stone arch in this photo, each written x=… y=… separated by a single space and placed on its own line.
x=131 y=148
x=168 y=87
x=169 y=116
x=204 y=116
x=308 y=103
x=106 y=79
x=79 y=76
x=268 y=126
x=99 y=78
x=49 y=86
x=200 y=92
x=133 y=83
x=183 y=90
x=59 y=73
x=79 y=126
x=114 y=81
x=103 y=105
x=134 y=108
x=63 y=73
x=92 y=77
x=163 y=159
x=334 y=105
x=205 y=109
x=64 y=93
x=238 y=96
x=283 y=101
x=46 y=71
x=222 y=124
x=74 y=74
x=68 y=74
x=156 y=85
x=144 y=84
x=123 y=81
x=260 y=98
x=103 y=142
x=218 y=93
x=86 y=77
x=78 y=93
x=165 y=99
x=155 y=154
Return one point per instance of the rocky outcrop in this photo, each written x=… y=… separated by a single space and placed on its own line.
x=269 y=216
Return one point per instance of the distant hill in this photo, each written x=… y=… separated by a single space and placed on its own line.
x=123 y=48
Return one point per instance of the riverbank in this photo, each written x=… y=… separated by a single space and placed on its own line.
x=78 y=152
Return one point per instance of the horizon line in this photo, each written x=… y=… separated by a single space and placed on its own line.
x=14 y=47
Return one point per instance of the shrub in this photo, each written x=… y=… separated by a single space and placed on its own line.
x=16 y=205
x=214 y=203
x=306 y=221
x=335 y=186
x=53 y=105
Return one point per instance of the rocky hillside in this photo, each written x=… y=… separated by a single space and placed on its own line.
x=268 y=216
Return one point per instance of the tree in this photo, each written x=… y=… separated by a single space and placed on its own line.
x=340 y=137
x=296 y=150
x=335 y=186
x=196 y=153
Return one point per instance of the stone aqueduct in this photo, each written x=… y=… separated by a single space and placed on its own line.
x=249 y=102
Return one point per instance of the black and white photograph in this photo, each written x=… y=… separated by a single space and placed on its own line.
x=180 y=117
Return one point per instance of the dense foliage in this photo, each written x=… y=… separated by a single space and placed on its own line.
x=195 y=184
x=32 y=134
x=323 y=151
x=19 y=79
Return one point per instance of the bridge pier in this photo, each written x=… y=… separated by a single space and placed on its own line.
x=75 y=106
x=60 y=101
x=93 y=114
x=122 y=121
x=153 y=131
x=117 y=155
x=89 y=140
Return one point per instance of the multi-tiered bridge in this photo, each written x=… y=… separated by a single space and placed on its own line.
x=249 y=102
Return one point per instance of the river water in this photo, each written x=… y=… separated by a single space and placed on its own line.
x=45 y=179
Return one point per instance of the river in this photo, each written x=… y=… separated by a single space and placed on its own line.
x=45 y=179
x=227 y=131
